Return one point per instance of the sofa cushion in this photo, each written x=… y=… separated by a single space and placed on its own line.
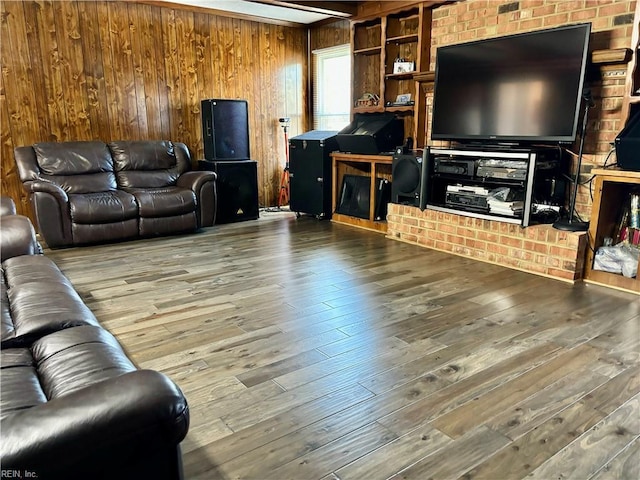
x=164 y=202
x=75 y=358
x=37 y=300
x=77 y=167
x=147 y=164
x=103 y=207
x=20 y=385
x=32 y=268
x=59 y=364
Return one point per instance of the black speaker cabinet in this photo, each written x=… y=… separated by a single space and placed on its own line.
x=406 y=173
x=237 y=187
x=225 y=129
x=310 y=172
x=383 y=196
x=627 y=144
x=354 y=196
x=372 y=133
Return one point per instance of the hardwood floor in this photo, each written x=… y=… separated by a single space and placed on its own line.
x=310 y=350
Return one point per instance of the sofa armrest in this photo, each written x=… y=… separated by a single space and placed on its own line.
x=7 y=206
x=203 y=184
x=51 y=207
x=47 y=187
x=195 y=180
x=18 y=237
x=105 y=426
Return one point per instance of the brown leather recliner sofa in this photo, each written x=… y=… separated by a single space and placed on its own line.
x=72 y=405
x=94 y=192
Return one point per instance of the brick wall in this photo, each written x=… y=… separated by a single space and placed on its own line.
x=536 y=249
x=612 y=23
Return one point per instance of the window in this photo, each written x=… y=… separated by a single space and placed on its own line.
x=332 y=88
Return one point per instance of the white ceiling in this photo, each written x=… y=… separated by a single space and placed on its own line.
x=257 y=10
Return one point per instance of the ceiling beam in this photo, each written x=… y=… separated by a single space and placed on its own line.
x=334 y=9
x=221 y=13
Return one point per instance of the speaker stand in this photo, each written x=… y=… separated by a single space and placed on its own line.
x=568 y=224
x=283 y=197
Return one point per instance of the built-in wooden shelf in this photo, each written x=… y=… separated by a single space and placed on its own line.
x=611 y=56
x=368 y=51
x=372 y=166
x=403 y=39
x=398 y=76
x=611 y=190
x=424 y=77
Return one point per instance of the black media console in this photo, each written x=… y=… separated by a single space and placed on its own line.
x=520 y=186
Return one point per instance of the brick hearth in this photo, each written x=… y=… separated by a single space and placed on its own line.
x=538 y=249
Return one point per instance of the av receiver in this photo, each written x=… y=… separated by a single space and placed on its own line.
x=454 y=166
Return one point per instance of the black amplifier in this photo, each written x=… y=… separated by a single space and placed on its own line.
x=471 y=198
x=454 y=166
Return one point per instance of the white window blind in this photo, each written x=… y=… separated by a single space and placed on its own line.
x=331 y=88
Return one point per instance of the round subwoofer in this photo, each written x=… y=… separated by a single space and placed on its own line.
x=406 y=172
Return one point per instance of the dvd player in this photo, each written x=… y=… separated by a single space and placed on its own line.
x=467 y=197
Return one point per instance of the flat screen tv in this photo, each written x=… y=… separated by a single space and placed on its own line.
x=525 y=88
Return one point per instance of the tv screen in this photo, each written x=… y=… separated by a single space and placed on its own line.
x=517 y=88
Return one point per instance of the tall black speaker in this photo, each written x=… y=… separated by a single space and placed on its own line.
x=310 y=172
x=237 y=187
x=406 y=174
x=225 y=129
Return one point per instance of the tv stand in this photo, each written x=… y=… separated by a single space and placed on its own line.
x=465 y=180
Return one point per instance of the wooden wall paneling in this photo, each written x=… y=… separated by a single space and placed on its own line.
x=113 y=121
x=37 y=66
x=303 y=81
x=70 y=50
x=160 y=73
x=15 y=100
x=123 y=94
x=295 y=89
x=9 y=183
x=145 y=38
x=169 y=45
x=59 y=123
x=124 y=70
x=225 y=37
x=136 y=23
x=330 y=35
x=252 y=88
x=18 y=83
x=7 y=166
x=217 y=51
x=93 y=67
x=203 y=68
x=188 y=78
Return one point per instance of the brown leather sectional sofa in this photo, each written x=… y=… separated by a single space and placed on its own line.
x=94 y=192
x=72 y=405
